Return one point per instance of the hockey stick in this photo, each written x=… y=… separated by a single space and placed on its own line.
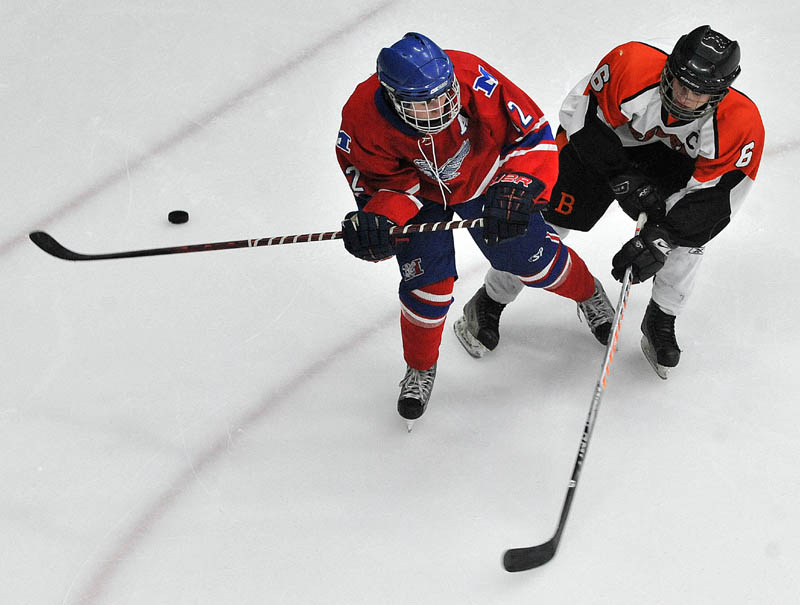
x=521 y=559
x=48 y=243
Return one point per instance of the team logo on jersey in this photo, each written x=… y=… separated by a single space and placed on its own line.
x=343 y=141
x=486 y=82
x=447 y=171
x=672 y=140
x=698 y=251
x=412 y=269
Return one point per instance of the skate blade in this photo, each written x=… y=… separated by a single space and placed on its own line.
x=411 y=418
x=650 y=355
x=471 y=344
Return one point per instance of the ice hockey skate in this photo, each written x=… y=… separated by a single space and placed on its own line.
x=598 y=312
x=415 y=391
x=478 y=330
x=658 y=340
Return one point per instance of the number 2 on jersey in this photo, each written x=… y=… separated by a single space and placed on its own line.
x=524 y=120
x=354 y=182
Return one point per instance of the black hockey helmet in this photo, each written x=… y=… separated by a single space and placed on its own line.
x=705 y=62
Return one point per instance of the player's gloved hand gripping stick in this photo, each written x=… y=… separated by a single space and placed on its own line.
x=635 y=193
x=367 y=235
x=644 y=254
x=509 y=201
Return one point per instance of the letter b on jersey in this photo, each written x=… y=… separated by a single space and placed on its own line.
x=565 y=204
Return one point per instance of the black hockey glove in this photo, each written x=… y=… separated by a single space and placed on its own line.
x=646 y=253
x=507 y=207
x=366 y=235
x=635 y=193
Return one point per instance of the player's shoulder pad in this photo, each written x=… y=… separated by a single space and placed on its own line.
x=463 y=60
x=361 y=98
x=477 y=74
x=740 y=131
x=361 y=119
x=636 y=60
x=739 y=109
x=623 y=74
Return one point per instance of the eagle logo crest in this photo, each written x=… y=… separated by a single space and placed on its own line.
x=447 y=171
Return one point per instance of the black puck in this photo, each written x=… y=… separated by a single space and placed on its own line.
x=178 y=216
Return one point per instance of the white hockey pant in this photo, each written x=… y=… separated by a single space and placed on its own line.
x=671 y=287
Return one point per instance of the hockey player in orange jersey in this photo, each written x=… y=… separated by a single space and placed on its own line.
x=660 y=133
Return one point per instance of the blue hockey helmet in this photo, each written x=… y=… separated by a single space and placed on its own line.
x=419 y=80
x=705 y=62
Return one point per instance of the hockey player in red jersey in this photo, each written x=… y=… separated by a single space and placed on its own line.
x=663 y=134
x=434 y=133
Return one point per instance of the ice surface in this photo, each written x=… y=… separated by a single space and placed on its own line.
x=221 y=427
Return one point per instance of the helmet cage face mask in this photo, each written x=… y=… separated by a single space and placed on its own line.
x=430 y=115
x=418 y=79
x=678 y=111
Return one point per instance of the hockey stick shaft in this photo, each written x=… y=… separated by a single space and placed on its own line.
x=521 y=559
x=48 y=243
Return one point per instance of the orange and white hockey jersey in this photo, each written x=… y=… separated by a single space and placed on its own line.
x=726 y=144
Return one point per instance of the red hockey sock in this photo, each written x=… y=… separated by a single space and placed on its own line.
x=422 y=322
x=420 y=345
x=579 y=282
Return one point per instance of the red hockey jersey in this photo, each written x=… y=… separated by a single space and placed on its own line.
x=393 y=170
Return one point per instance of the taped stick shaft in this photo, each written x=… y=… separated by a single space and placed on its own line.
x=48 y=243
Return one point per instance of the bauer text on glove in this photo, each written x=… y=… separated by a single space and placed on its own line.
x=508 y=203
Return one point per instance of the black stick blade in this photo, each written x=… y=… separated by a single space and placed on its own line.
x=46 y=242
x=522 y=559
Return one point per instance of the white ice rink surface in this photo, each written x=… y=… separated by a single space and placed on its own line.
x=221 y=427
